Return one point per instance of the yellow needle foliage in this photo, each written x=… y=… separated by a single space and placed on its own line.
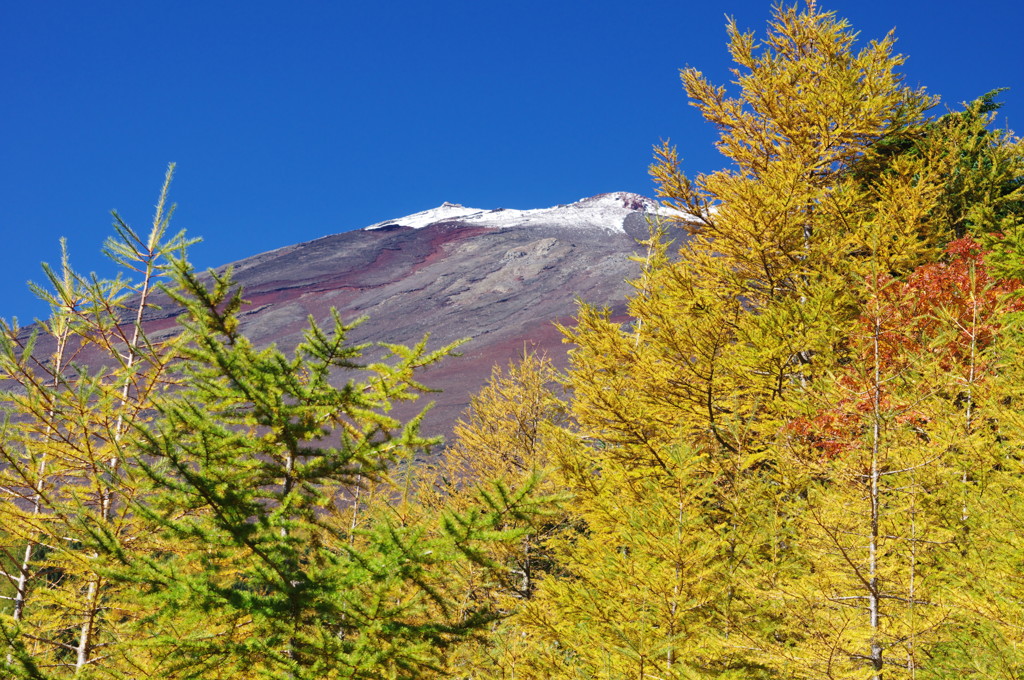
x=780 y=468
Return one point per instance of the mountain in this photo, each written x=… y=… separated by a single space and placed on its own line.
x=497 y=277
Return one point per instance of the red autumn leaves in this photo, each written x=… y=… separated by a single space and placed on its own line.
x=928 y=335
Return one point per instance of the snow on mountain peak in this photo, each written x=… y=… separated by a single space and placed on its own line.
x=445 y=211
x=624 y=199
x=605 y=211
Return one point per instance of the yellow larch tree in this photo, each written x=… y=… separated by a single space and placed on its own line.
x=718 y=537
x=75 y=387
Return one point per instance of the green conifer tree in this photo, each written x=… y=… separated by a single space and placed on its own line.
x=271 y=575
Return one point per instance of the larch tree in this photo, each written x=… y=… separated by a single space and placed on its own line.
x=898 y=464
x=504 y=448
x=75 y=386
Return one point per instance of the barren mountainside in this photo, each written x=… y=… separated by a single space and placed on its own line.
x=497 y=277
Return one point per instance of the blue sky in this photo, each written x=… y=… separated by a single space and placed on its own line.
x=289 y=121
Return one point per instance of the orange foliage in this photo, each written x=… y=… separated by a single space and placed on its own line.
x=944 y=313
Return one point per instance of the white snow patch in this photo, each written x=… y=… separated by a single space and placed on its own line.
x=604 y=211
x=445 y=211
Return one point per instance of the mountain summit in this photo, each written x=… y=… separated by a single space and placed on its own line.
x=604 y=211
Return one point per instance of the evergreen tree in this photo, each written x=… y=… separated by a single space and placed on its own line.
x=182 y=507
x=270 y=574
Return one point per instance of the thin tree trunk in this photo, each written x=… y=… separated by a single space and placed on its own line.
x=911 y=654
x=87 y=631
x=21 y=588
x=969 y=407
x=873 y=599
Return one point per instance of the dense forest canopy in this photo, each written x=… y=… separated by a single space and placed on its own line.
x=801 y=459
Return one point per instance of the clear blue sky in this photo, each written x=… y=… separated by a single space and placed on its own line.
x=289 y=121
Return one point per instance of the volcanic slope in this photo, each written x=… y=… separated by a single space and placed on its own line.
x=497 y=277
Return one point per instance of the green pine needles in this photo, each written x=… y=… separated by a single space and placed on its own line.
x=248 y=489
